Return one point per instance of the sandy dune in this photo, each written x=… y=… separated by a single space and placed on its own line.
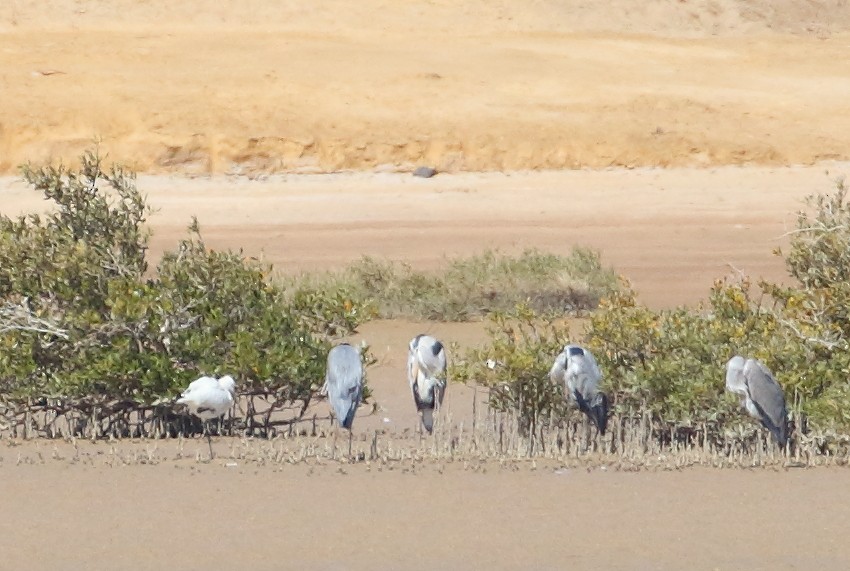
x=221 y=103
x=260 y=86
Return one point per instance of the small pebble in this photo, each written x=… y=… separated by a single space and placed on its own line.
x=425 y=172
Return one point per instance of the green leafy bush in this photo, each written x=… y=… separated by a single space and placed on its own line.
x=471 y=288
x=515 y=366
x=84 y=331
x=668 y=367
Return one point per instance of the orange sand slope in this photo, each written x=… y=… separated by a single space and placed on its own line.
x=264 y=86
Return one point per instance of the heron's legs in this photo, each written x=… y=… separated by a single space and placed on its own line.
x=350 y=436
x=585 y=434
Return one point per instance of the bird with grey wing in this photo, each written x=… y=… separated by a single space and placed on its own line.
x=576 y=369
x=344 y=384
x=426 y=373
x=209 y=398
x=761 y=395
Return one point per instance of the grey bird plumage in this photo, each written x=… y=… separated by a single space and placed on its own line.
x=761 y=395
x=344 y=382
x=426 y=373
x=576 y=369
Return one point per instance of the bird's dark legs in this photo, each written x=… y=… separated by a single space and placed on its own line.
x=336 y=434
x=600 y=439
x=209 y=436
x=585 y=433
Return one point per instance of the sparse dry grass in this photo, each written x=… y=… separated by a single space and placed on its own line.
x=469 y=288
x=493 y=441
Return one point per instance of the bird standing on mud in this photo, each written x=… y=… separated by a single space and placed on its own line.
x=209 y=398
x=426 y=373
x=576 y=368
x=344 y=384
x=762 y=397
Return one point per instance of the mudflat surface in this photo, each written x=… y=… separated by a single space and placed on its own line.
x=215 y=517
x=677 y=137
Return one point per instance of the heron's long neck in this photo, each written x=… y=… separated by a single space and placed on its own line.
x=424 y=384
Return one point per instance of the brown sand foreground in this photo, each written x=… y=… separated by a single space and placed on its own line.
x=217 y=517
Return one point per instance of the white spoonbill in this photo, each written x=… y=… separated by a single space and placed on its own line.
x=209 y=398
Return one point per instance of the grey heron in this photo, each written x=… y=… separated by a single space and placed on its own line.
x=762 y=397
x=576 y=368
x=426 y=373
x=209 y=398
x=344 y=384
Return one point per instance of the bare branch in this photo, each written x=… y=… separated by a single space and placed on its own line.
x=737 y=270
x=824 y=229
x=829 y=344
x=18 y=317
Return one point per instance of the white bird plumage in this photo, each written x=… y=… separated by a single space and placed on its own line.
x=576 y=369
x=426 y=373
x=761 y=395
x=344 y=384
x=209 y=398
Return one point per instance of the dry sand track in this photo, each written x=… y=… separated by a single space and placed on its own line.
x=671 y=231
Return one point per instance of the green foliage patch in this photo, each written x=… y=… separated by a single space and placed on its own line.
x=670 y=365
x=471 y=288
x=515 y=366
x=85 y=330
